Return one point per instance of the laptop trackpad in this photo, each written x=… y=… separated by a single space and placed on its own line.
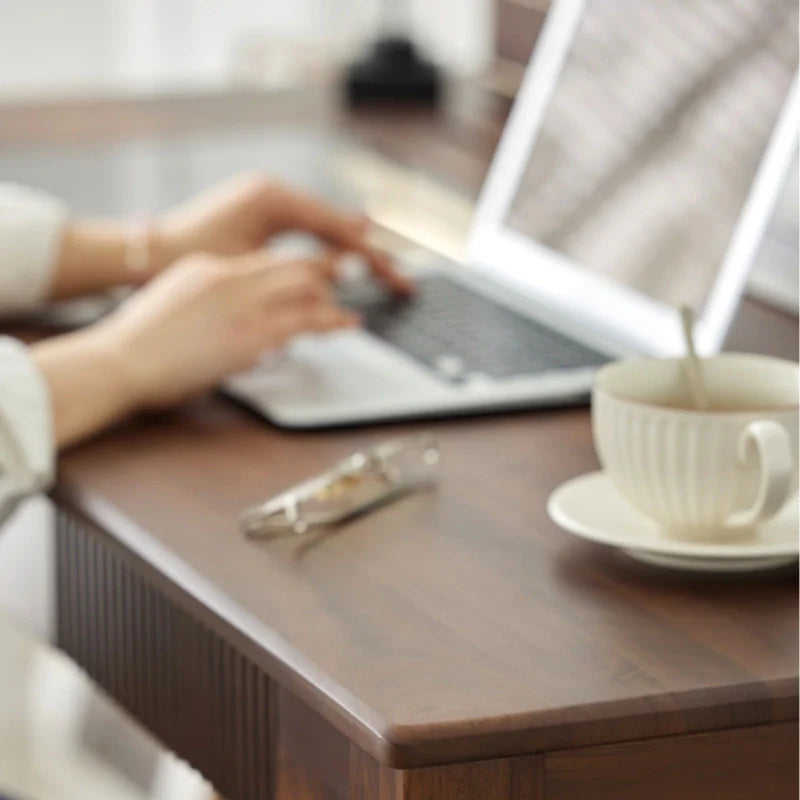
x=347 y=370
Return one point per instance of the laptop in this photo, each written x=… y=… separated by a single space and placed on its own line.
x=637 y=171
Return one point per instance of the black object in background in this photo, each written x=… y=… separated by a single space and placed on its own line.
x=393 y=71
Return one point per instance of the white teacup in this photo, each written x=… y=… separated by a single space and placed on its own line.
x=701 y=474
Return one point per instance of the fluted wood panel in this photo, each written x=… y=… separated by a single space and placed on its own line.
x=203 y=699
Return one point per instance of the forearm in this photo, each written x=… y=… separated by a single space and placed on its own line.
x=96 y=255
x=86 y=379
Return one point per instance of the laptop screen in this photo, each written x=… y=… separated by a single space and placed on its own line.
x=653 y=135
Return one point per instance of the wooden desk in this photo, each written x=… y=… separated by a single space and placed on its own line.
x=453 y=645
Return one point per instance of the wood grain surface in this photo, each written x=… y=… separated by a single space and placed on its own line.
x=454 y=624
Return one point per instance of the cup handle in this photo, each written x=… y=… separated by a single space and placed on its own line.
x=767 y=443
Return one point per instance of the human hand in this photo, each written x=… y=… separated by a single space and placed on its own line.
x=244 y=213
x=208 y=316
x=200 y=320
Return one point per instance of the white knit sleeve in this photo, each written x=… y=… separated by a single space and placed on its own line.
x=31 y=225
x=27 y=451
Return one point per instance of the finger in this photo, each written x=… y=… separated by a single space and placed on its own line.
x=255 y=263
x=383 y=267
x=268 y=263
x=380 y=265
x=278 y=280
x=315 y=318
x=326 y=265
x=341 y=230
x=296 y=283
x=298 y=210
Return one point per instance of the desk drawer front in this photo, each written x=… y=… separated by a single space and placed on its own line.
x=198 y=695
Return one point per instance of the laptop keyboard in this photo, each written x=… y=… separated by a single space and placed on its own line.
x=457 y=332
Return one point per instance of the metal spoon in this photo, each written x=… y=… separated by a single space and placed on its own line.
x=691 y=362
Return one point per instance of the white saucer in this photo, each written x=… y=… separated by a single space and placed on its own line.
x=591 y=507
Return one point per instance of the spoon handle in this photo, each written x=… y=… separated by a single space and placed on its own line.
x=692 y=362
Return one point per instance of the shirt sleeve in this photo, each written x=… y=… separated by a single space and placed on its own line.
x=27 y=452
x=31 y=225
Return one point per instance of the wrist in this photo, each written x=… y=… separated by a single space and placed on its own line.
x=108 y=358
x=114 y=347
x=88 y=382
x=96 y=255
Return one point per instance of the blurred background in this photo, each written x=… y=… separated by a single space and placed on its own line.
x=100 y=47
x=55 y=54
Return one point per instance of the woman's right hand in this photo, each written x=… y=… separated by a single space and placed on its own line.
x=209 y=316
x=201 y=320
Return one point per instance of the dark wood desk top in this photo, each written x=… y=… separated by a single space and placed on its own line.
x=459 y=623
x=456 y=624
